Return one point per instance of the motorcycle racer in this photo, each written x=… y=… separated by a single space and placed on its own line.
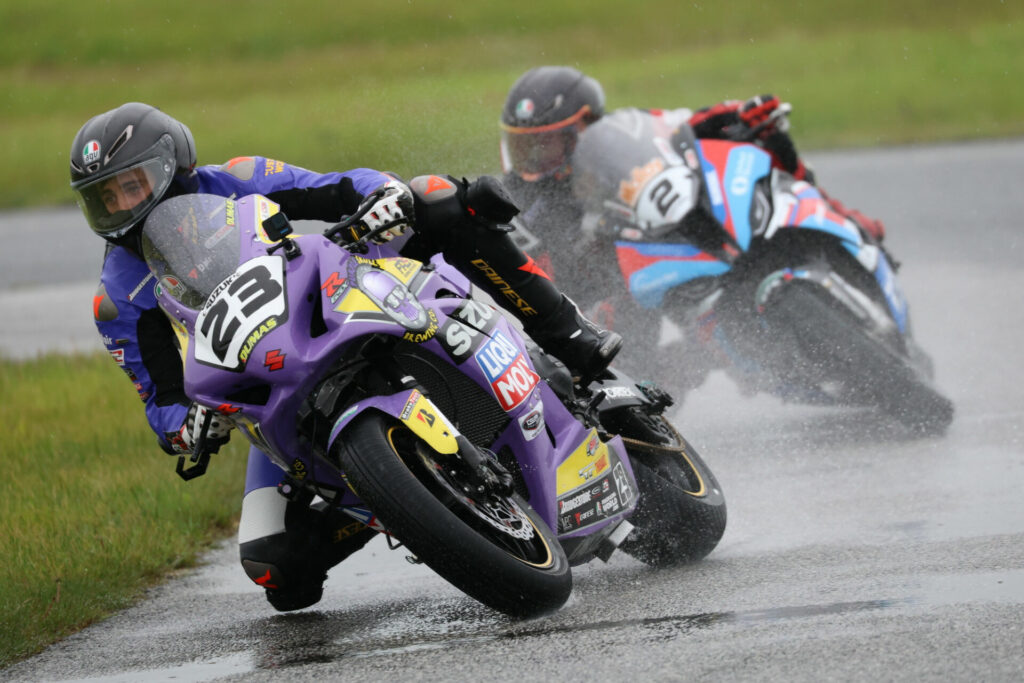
x=545 y=112
x=124 y=162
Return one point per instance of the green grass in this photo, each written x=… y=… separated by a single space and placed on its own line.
x=416 y=87
x=92 y=509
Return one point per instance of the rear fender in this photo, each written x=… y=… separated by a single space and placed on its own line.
x=411 y=408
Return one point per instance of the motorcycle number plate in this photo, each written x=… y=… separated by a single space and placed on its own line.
x=240 y=312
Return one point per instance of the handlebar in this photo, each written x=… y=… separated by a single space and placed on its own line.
x=780 y=113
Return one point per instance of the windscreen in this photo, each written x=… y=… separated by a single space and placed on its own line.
x=191 y=244
x=626 y=164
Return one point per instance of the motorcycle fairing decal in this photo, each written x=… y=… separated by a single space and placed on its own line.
x=595 y=502
x=532 y=423
x=714 y=154
x=730 y=174
x=264 y=209
x=666 y=198
x=894 y=297
x=510 y=376
x=365 y=516
x=630 y=190
x=427 y=422
x=370 y=291
x=466 y=328
x=650 y=270
x=458 y=340
x=414 y=410
x=404 y=269
x=242 y=310
x=477 y=315
x=588 y=461
x=745 y=166
x=804 y=207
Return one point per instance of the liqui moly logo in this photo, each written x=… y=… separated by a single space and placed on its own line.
x=510 y=376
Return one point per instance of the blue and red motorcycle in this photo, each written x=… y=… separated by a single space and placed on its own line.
x=401 y=396
x=768 y=282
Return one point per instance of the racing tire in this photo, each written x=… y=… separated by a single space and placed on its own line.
x=681 y=514
x=833 y=341
x=395 y=474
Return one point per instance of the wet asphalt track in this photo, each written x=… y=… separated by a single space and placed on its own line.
x=852 y=552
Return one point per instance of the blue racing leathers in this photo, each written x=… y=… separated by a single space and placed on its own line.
x=135 y=331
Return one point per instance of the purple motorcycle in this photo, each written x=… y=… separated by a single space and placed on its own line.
x=399 y=394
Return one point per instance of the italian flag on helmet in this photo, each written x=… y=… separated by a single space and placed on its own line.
x=91 y=152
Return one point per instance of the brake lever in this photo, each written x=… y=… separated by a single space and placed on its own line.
x=348 y=221
x=200 y=456
x=360 y=244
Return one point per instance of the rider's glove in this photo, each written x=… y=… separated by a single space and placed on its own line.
x=184 y=440
x=395 y=206
x=756 y=110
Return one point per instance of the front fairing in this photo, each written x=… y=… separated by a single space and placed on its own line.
x=677 y=209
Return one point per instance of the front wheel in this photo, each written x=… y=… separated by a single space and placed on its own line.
x=681 y=515
x=494 y=548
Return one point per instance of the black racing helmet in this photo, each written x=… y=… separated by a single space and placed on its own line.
x=544 y=112
x=123 y=162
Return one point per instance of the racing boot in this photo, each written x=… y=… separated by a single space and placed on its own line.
x=584 y=348
x=292 y=565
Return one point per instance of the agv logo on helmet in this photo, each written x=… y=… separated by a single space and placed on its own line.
x=91 y=152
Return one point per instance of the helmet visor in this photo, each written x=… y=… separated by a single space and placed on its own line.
x=536 y=155
x=113 y=204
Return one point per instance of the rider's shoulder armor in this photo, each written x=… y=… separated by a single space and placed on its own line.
x=242 y=168
x=103 y=307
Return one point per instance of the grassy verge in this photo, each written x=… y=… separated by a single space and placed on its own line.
x=93 y=512
x=416 y=86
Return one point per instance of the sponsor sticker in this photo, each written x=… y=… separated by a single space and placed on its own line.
x=506 y=368
x=409 y=403
x=532 y=423
x=619 y=392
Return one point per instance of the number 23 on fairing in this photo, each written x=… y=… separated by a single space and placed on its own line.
x=240 y=311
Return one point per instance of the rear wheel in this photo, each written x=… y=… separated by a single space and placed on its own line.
x=681 y=514
x=493 y=547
